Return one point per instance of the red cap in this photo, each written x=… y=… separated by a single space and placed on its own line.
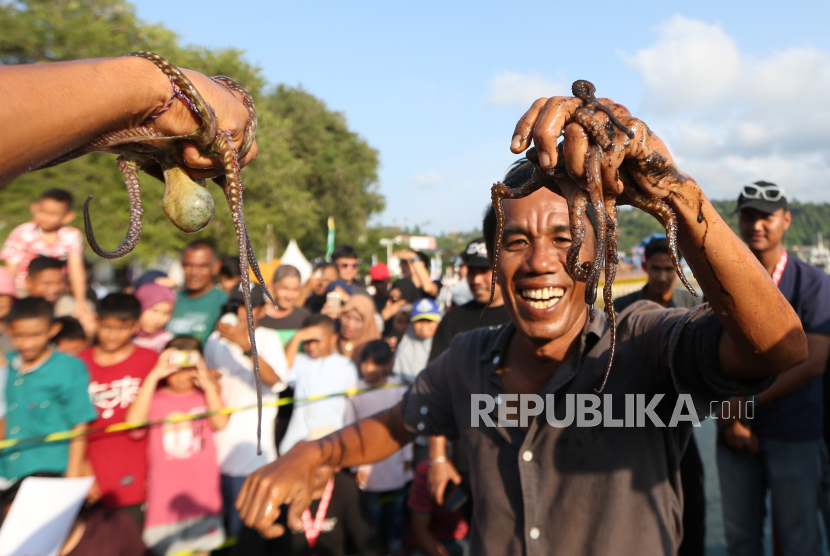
x=379 y=272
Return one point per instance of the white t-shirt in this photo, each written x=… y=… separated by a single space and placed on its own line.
x=395 y=471
x=236 y=443
x=316 y=377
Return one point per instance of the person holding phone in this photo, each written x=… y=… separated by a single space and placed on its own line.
x=436 y=529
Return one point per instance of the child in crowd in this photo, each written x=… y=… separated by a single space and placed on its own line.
x=184 y=501
x=71 y=339
x=49 y=235
x=412 y=354
x=383 y=483
x=157 y=304
x=7 y=296
x=97 y=531
x=228 y=350
x=116 y=371
x=335 y=524
x=46 y=279
x=319 y=370
x=45 y=393
x=435 y=529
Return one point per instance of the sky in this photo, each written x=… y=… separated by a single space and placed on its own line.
x=739 y=91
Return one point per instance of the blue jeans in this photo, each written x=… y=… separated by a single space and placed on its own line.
x=387 y=511
x=792 y=473
x=231 y=486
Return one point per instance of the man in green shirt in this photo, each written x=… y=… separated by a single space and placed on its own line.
x=199 y=305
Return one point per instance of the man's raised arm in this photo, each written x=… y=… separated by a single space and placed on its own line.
x=289 y=480
x=763 y=334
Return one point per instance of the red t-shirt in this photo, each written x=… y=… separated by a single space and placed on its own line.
x=119 y=459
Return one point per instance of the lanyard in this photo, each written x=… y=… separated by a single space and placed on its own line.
x=779 y=268
x=312 y=529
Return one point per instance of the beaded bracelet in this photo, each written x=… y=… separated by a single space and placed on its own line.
x=177 y=93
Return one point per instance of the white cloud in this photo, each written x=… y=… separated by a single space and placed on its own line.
x=519 y=90
x=731 y=117
x=427 y=179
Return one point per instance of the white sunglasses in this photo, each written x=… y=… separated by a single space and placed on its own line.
x=771 y=194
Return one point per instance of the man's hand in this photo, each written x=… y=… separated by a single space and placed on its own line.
x=237 y=334
x=288 y=480
x=439 y=475
x=740 y=437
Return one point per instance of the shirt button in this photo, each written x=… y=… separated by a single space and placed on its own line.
x=32 y=405
x=421 y=426
x=496 y=360
x=527 y=455
x=15 y=430
x=18 y=382
x=424 y=410
x=44 y=405
x=12 y=407
x=14 y=456
x=534 y=533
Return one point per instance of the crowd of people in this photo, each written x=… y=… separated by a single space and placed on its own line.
x=155 y=351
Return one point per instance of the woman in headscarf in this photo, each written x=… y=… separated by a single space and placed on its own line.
x=357 y=325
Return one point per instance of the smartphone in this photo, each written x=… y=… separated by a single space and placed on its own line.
x=454 y=497
x=334 y=299
x=183 y=358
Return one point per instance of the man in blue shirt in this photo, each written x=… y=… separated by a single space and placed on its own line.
x=780 y=448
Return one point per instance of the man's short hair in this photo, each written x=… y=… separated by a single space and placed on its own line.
x=71 y=329
x=200 y=244
x=656 y=245
x=59 y=195
x=185 y=343
x=39 y=264
x=285 y=271
x=317 y=319
x=31 y=308
x=230 y=267
x=378 y=351
x=344 y=252
x=121 y=306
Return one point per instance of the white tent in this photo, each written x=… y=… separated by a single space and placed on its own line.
x=295 y=258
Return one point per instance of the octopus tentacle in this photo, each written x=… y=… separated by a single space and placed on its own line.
x=585 y=117
x=248 y=101
x=128 y=168
x=585 y=91
x=612 y=260
x=577 y=205
x=498 y=193
x=255 y=266
x=594 y=188
x=660 y=210
x=233 y=193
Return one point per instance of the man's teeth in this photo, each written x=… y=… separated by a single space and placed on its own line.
x=542 y=298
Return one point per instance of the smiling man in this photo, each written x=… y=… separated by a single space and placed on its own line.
x=540 y=489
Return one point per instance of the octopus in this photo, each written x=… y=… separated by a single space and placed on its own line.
x=186 y=202
x=604 y=203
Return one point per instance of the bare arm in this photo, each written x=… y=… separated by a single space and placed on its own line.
x=214 y=401
x=77 y=281
x=55 y=108
x=139 y=410
x=740 y=290
x=289 y=479
x=302 y=335
x=799 y=376
x=76 y=462
x=419 y=269
x=440 y=472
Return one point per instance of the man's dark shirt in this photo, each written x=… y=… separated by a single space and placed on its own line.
x=347 y=523
x=463 y=319
x=580 y=490
x=800 y=415
x=679 y=298
x=293 y=321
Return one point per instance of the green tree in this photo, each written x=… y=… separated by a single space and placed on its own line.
x=310 y=165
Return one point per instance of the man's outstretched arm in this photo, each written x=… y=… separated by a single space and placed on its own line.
x=290 y=479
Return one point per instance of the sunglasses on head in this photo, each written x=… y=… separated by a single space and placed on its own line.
x=771 y=194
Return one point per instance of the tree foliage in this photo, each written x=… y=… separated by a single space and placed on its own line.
x=310 y=165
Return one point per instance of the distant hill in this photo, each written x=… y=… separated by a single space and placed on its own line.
x=808 y=218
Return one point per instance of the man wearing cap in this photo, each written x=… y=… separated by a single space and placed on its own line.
x=228 y=351
x=779 y=446
x=412 y=354
x=379 y=274
x=541 y=485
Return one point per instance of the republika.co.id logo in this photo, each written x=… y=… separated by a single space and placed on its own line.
x=582 y=410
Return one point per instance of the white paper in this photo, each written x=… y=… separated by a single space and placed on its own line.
x=42 y=515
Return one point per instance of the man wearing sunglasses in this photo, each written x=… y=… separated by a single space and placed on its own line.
x=779 y=446
x=345 y=257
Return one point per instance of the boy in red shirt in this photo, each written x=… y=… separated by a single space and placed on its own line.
x=117 y=369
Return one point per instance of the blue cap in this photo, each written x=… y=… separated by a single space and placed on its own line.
x=425 y=309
